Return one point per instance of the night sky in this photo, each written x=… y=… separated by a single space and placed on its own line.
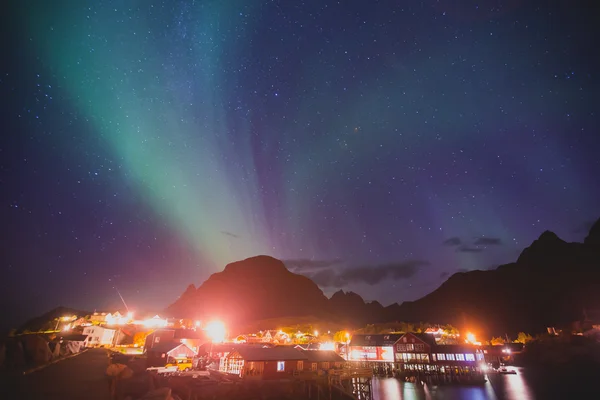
x=376 y=146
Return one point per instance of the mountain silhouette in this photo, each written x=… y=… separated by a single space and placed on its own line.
x=249 y=290
x=552 y=283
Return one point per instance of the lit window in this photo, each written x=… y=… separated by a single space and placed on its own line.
x=300 y=366
x=280 y=366
x=460 y=357
x=441 y=357
x=450 y=357
x=326 y=365
x=313 y=366
x=469 y=357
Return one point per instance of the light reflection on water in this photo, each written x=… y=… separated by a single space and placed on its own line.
x=497 y=387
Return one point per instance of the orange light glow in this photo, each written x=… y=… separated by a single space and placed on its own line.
x=471 y=338
x=155 y=322
x=215 y=331
x=327 y=346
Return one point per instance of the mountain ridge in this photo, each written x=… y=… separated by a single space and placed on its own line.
x=498 y=300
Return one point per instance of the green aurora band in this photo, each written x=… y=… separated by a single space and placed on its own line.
x=137 y=100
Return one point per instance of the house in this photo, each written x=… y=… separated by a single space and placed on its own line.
x=309 y=346
x=156 y=337
x=378 y=348
x=419 y=352
x=193 y=338
x=322 y=360
x=165 y=352
x=98 y=336
x=73 y=343
x=98 y=318
x=274 y=363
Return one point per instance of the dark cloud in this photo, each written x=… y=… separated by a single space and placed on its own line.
x=326 y=278
x=233 y=235
x=453 y=241
x=467 y=249
x=487 y=241
x=371 y=274
x=303 y=263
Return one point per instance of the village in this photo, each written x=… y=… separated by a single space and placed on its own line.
x=345 y=360
x=151 y=353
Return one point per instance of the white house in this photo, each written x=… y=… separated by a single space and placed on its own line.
x=98 y=336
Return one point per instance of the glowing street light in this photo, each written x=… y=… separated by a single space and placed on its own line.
x=316 y=333
x=215 y=331
x=471 y=338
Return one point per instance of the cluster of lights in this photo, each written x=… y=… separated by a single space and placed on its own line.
x=327 y=346
x=470 y=338
x=119 y=319
x=215 y=331
x=154 y=322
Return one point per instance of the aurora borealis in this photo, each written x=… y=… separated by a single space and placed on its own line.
x=148 y=143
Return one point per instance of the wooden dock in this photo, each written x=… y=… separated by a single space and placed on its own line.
x=354 y=382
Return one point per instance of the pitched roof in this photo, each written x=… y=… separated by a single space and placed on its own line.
x=424 y=337
x=387 y=339
x=308 y=346
x=270 y=354
x=167 y=347
x=322 y=356
x=74 y=337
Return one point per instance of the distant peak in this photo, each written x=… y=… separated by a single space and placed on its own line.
x=257 y=263
x=548 y=236
x=593 y=236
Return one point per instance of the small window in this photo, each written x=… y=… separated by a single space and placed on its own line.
x=460 y=357
x=157 y=339
x=300 y=366
x=450 y=357
x=441 y=357
x=280 y=366
x=469 y=357
x=313 y=366
x=326 y=365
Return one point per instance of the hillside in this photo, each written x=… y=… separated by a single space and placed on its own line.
x=550 y=284
x=48 y=320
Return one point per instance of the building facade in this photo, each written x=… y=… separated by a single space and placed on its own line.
x=419 y=352
x=98 y=336
x=372 y=348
